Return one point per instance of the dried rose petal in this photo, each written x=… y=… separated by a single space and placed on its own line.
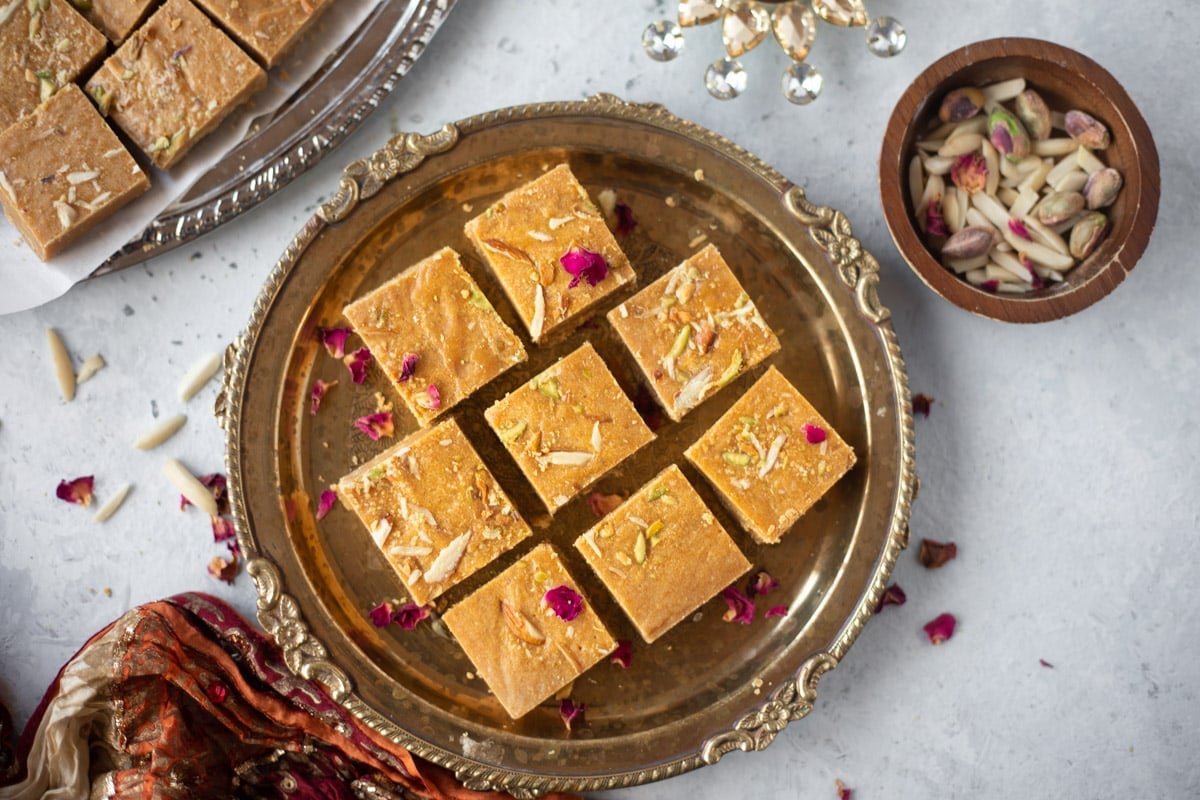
x=892 y=596
x=625 y=220
x=571 y=714
x=935 y=223
x=604 y=504
x=815 y=434
x=584 y=264
x=565 y=602
x=940 y=628
x=409 y=614
x=334 y=340
x=357 y=363
x=741 y=608
x=970 y=172
x=647 y=409
x=1018 y=228
x=408 y=365
x=381 y=615
x=623 y=655
x=219 y=486
x=325 y=504
x=844 y=791
x=432 y=399
x=376 y=425
x=224 y=569
x=78 y=491
x=761 y=583
x=1045 y=663
x=776 y=611
x=222 y=529
x=934 y=554
x=216 y=692
x=991 y=286
x=233 y=547
x=319 y=389
x=921 y=404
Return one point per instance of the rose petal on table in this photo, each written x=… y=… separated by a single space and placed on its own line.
x=604 y=504
x=940 y=628
x=844 y=792
x=762 y=583
x=776 y=611
x=408 y=615
x=571 y=713
x=921 y=404
x=892 y=596
x=376 y=425
x=741 y=607
x=325 y=504
x=357 y=362
x=623 y=655
x=77 y=491
x=381 y=615
x=334 y=340
x=934 y=554
x=224 y=569
x=625 y=219
x=319 y=389
x=222 y=529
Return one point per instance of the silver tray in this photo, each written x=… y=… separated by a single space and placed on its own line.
x=330 y=106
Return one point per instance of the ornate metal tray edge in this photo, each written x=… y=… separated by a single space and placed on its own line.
x=192 y=216
x=279 y=613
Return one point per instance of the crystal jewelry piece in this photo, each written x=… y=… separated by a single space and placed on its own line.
x=662 y=40
x=886 y=37
x=744 y=25
x=725 y=79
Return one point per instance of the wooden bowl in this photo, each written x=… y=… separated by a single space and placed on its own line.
x=1067 y=80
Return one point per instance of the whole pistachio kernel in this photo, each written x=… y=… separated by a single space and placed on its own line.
x=1059 y=207
x=1034 y=114
x=1087 y=130
x=961 y=104
x=1008 y=135
x=1087 y=234
x=970 y=242
x=1102 y=188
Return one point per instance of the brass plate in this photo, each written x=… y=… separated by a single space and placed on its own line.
x=708 y=686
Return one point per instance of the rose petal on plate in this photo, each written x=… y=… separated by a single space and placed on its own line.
x=408 y=615
x=319 y=389
x=222 y=529
x=381 y=615
x=565 y=602
x=604 y=504
x=623 y=655
x=583 y=264
x=376 y=425
x=625 y=219
x=571 y=714
x=741 y=607
x=940 y=628
x=814 y=434
x=77 y=491
x=776 y=611
x=892 y=596
x=921 y=404
x=408 y=365
x=334 y=340
x=224 y=569
x=357 y=362
x=762 y=583
x=934 y=554
x=328 y=498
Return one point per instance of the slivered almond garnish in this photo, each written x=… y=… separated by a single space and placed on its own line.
x=772 y=455
x=539 y=312
x=557 y=222
x=521 y=626
x=112 y=504
x=66 y=214
x=89 y=368
x=425 y=514
x=566 y=458
x=63 y=369
x=75 y=178
x=447 y=561
x=408 y=550
x=541 y=237
x=199 y=374
x=590 y=538
x=160 y=432
x=4 y=183
x=380 y=532
x=190 y=487
x=693 y=391
x=597 y=439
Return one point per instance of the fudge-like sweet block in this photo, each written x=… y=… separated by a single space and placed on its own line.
x=524 y=236
x=116 y=19
x=46 y=45
x=520 y=646
x=63 y=171
x=568 y=426
x=693 y=331
x=173 y=81
x=434 y=509
x=431 y=326
x=771 y=456
x=662 y=553
x=266 y=28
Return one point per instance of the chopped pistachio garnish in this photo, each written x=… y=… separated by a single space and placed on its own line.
x=736 y=458
x=513 y=431
x=375 y=473
x=681 y=342
x=657 y=493
x=549 y=387
x=731 y=372
x=655 y=531
x=479 y=300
